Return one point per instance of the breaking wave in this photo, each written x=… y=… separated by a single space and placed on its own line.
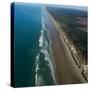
x=44 y=61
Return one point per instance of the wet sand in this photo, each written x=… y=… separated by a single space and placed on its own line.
x=67 y=72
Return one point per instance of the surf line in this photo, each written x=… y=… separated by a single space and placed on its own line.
x=38 y=78
x=43 y=44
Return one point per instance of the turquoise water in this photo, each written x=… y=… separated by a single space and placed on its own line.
x=33 y=58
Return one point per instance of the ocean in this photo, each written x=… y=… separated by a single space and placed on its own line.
x=33 y=55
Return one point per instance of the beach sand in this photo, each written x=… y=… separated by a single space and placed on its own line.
x=67 y=72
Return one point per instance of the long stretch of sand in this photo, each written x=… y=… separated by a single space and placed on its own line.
x=67 y=72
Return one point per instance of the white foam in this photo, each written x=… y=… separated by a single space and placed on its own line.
x=36 y=79
x=36 y=68
x=41 y=41
x=43 y=44
x=47 y=58
x=37 y=62
x=42 y=35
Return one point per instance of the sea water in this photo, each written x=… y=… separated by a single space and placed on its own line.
x=33 y=64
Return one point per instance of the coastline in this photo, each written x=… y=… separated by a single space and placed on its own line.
x=72 y=49
x=63 y=58
x=44 y=73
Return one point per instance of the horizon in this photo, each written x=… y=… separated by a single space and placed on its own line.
x=83 y=8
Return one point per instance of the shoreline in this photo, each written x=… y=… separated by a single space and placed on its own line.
x=46 y=50
x=74 y=51
x=60 y=73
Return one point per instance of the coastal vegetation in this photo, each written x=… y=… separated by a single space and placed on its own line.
x=74 y=23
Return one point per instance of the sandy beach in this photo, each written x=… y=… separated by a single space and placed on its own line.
x=67 y=72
